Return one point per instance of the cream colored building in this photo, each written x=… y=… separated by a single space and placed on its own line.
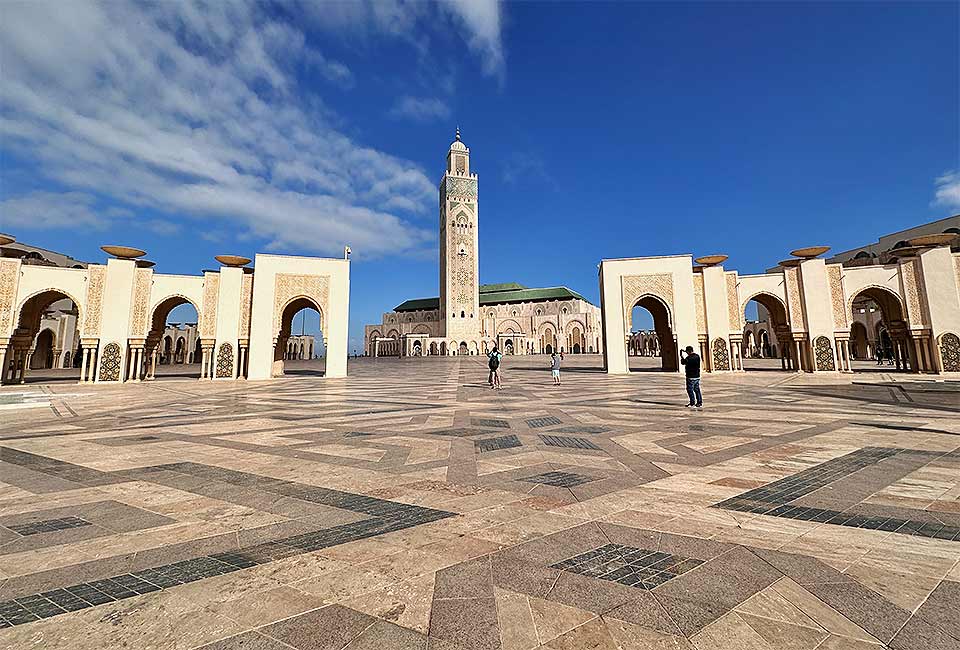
x=868 y=331
x=809 y=302
x=245 y=314
x=469 y=318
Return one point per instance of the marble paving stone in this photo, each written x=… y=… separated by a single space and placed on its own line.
x=404 y=508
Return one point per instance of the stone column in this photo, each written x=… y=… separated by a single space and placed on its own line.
x=798 y=359
x=138 y=364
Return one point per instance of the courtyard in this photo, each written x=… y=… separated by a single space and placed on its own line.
x=409 y=506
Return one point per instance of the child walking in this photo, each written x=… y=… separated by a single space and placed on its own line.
x=555 y=368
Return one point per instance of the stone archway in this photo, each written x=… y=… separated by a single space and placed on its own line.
x=29 y=316
x=776 y=334
x=285 y=324
x=663 y=326
x=42 y=357
x=893 y=325
x=859 y=342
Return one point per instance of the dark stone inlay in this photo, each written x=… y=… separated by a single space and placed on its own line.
x=457 y=433
x=560 y=479
x=48 y=525
x=385 y=516
x=538 y=423
x=775 y=499
x=628 y=565
x=357 y=434
x=564 y=441
x=486 y=422
x=493 y=444
x=583 y=428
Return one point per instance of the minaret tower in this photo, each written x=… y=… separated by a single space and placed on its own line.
x=459 y=270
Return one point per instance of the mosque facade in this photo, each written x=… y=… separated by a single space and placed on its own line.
x=470 y=318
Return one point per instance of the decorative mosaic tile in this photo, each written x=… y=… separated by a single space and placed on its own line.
x=775 y=499
x=629 y=565
x=539 y=423
x=560 y=479
x=583 y=428
x=564 y=441
x=484 y=422
x=385 y=516
x=493 y=444
x=48 y=525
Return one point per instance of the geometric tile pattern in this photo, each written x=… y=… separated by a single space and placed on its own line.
x=488 y=422
x=560 y=479
x=564 y=441
x=778 y=499
x=48 y=525
x=494 y=444
x=627 y=565
x=538 y=423
x=385 y=516
x=239 y=516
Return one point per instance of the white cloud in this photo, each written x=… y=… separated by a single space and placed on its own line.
x=187 y=109
x=948 y=190
x=479 y=22
x=420 y=109
x=52 y=210
x=482 y=19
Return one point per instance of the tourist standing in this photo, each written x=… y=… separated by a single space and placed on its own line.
x=691 y=367
x=555 y=368
x=493 y=363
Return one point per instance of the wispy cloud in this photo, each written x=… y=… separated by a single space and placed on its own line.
x=53 y=210
x=195 y=109
x=420 y=109
x=480 y=22
x=948 y=190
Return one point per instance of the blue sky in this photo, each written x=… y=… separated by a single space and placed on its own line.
x=598 y=130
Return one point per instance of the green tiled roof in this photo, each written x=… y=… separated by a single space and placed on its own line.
x=498 y=294
x=418 y=304
x=503 y=286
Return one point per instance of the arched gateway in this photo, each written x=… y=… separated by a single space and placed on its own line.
x=807 y=302
x=122 y=307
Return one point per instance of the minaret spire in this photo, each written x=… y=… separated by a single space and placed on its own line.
x=458 y=133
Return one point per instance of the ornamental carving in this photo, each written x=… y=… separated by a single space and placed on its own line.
x=96 y=275
x=462 y=188
x=141 y=296
x=823 y=352
x=733 y=304
x=8 y=292
x=908 y=272
x=791 y=277
x=633 y=287
x=211 y=294
x=721 y=356
x=956 y=270
x=225 y=361
x=288 y=286
x=110 y=363
x=836 y=296
x=698 y=303
x=950 y=352
x=246 y=302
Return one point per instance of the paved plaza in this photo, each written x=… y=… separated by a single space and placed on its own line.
x=410 y=506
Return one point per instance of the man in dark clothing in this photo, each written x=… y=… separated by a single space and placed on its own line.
x=691 y=367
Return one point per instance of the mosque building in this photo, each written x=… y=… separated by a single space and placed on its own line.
x=469 y=318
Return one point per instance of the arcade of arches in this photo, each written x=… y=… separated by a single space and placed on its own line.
x=110 y=320
x=817 y=317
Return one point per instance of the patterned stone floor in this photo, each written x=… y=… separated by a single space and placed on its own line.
x=409 y=506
